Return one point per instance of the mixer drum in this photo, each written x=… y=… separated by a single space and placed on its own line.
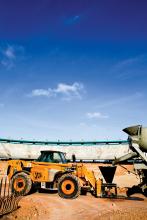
x=138 y=134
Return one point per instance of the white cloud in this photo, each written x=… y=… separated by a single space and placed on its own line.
x=69 y=90
x=130 y=67
x=130 y=62
x=72 y=20
x=96 y=115
x=76 y=17
x=66 y=91
x=127 y=62
x=41 y=92
x=10 y=54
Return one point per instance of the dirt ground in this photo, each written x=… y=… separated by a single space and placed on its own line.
x=44 y=206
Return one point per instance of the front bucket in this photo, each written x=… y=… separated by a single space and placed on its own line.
x=8 y=201
x=108 y=173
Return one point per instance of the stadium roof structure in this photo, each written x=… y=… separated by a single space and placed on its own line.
x=84 y=143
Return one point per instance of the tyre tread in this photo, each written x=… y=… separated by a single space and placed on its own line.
x=29 y=183
x=71 y=177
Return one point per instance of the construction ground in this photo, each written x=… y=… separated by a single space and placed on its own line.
x=47 y=205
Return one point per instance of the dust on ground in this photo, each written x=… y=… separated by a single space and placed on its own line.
x=44 y=206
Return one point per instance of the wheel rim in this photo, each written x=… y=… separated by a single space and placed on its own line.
x=19 y=184
x=68 y=187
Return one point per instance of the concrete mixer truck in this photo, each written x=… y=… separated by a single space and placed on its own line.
x=138 y=148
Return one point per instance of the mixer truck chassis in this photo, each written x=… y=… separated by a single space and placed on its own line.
x=138 y=147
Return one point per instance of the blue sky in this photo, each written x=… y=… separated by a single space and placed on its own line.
x=72 y=70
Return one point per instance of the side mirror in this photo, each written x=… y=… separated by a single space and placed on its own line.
x=73 y=158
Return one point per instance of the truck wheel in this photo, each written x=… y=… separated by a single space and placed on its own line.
x=21 y=184
x=69 y=186
x=133 y=190
x=145 y=193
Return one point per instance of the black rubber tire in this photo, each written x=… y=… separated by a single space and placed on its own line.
x=133 y=190
x=145 y=192
x=26 y=185
x=76 y=185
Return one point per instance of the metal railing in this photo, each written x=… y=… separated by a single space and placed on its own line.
x=64 y=143
x=8 y=201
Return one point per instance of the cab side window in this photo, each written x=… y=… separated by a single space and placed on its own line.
x=49 y=158
x=57 y=158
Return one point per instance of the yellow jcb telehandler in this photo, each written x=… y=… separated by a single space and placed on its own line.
x=52 y=171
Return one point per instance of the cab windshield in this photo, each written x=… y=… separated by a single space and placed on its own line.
x=52 y=157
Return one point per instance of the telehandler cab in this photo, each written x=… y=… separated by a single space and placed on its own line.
x=52 y=171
